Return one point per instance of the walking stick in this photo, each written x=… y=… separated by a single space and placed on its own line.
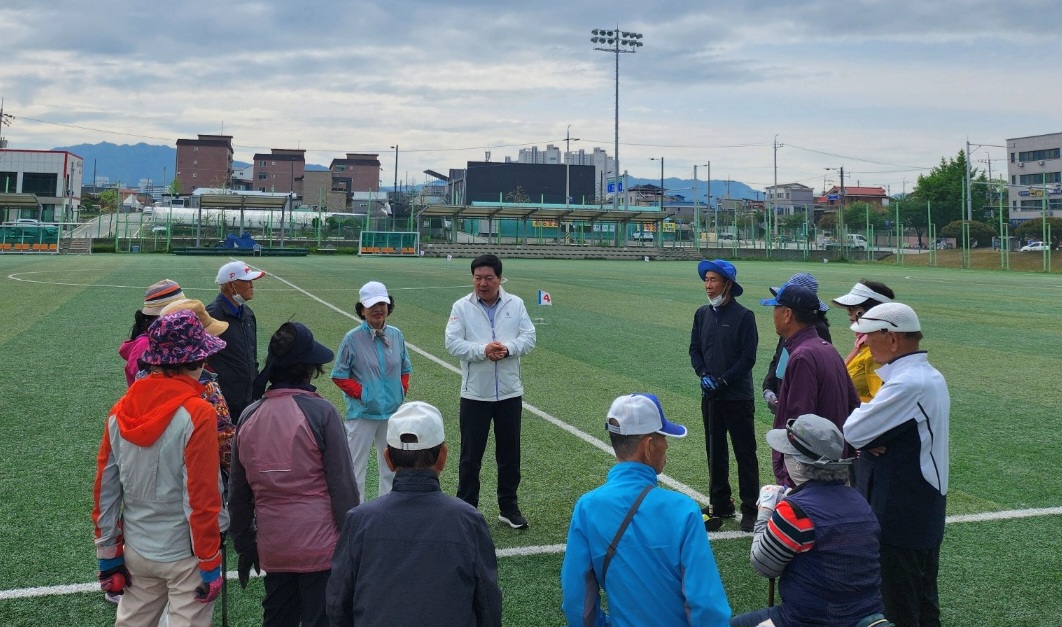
x=225 y=587
x=770 y=592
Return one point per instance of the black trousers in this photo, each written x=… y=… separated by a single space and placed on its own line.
x=476 y=418
x=909 y=585
x=736 y=419
x=294 y=597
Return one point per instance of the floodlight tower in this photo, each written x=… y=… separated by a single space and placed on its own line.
x=616 y=42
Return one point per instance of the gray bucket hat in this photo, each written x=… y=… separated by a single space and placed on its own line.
x=812 y=440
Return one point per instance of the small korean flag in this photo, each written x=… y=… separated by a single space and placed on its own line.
x=544 y=298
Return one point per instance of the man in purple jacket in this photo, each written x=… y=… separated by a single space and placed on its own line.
x=816 y=380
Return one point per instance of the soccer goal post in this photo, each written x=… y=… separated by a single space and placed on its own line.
x=399 y=243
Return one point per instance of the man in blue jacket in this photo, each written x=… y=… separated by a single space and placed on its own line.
x=643 y=545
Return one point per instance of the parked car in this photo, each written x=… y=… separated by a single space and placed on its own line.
x=1034 y=247
x=642 y=236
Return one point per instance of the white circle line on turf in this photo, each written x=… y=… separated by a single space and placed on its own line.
x=582 y=435
x=547 y=549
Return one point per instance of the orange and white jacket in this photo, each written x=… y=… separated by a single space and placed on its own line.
x=157 y=488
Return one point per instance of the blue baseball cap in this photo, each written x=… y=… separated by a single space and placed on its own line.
x=794 y=297
x=641 y=414
x=724 y=269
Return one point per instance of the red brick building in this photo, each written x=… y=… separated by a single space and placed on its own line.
x=872 y=195
x=204 y=162
x=358 y=172
x=282 y=170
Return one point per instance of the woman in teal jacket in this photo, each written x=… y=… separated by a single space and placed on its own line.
x=372 y=368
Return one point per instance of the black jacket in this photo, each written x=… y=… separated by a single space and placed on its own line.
x=237 y=364
x=723 y=343
x=415 y=556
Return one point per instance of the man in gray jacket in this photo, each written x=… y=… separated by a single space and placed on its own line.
x=489 y=330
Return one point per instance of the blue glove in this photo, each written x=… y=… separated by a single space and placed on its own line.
x=708 y=385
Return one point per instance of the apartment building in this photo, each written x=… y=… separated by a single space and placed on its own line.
x=204 y=162
x=280 y=171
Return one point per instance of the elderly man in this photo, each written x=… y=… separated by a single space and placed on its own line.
x=902 y=436
x=415 y=556
x=820 y=539
x=815 y=379
x=489 y=331
x=650 y=540
x=723 y=346
x=236 y=365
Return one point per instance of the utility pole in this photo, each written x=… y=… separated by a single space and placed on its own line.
x=697 y=205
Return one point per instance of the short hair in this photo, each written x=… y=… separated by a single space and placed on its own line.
x=806 y=317
x=488 y=260
x=878 y=287
x=624 y=445
x=279 y=345
x=424 y=458
x=915 y=336
x=359 y=308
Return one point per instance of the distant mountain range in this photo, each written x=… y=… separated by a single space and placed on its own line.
x=129 y=163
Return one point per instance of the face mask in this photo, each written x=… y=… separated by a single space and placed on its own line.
x=716 y=301
x=797 y=471
x=239 y=300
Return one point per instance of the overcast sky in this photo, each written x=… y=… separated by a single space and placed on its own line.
x=883 y=88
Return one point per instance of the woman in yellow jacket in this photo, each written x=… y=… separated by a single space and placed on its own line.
x=860 y=364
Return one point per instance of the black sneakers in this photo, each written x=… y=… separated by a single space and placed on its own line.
x=513 y=518
x=748 y=521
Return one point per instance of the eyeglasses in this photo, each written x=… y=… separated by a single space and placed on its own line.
x=799 y=443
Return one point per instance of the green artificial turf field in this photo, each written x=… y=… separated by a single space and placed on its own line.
x=615 y=327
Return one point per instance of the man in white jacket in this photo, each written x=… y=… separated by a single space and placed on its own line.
x=489 y=330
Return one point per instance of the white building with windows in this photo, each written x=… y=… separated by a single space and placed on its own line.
x=790 y=198
x=1034 y=168
x=52 y=176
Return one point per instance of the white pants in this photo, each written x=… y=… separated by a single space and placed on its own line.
x=155 y=583
x=361 y=435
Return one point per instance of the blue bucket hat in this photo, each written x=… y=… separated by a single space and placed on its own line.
x=724 y=269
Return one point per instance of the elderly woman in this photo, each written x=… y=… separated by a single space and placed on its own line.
x=155 y=299
x=862 y=297
x=820 y=538
x=291 y=483
x=157 y=491
x=373 y=371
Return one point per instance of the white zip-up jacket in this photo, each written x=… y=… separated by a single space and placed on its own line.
x=468 y=332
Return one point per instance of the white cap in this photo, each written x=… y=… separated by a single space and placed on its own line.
x=641 y=414
x=894 y=317
x=237 y=271
x=860 y=294
x=417 y=419
x=372 y=293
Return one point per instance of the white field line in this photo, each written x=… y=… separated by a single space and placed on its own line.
x=548 y=549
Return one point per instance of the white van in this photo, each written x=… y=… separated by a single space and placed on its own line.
x=855 y=240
